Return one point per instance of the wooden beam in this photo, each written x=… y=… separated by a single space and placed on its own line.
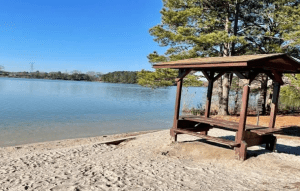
x=240 y=75
x=252 y=76
x=278 y=77
x=270 y=75
x=275 y=76
x=206 y=75
x=204 y=65
x=218 y=76
x=274 y=105
x=183 y=73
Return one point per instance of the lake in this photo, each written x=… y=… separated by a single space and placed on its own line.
x=33 y=110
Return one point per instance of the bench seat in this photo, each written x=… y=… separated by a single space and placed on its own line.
x=230 y=125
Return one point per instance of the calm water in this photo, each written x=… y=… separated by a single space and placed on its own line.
x=43 y=110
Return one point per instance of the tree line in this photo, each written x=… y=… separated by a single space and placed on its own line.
x=120 y=77
x=76 y=76
x=128 y=77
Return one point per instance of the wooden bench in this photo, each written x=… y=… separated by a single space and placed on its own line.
x=229 y=125
x=199 y=125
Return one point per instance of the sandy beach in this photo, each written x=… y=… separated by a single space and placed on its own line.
x=147 y=161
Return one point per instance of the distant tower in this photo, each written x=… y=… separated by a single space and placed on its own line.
x=31 y=66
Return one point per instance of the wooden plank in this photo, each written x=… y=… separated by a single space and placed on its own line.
x=214 y=65
x=243 y=115
x=267 y=131
x=229 y=125
x=274 y=105
x=213 y=139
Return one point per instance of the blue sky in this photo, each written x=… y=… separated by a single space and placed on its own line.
x=101 y=36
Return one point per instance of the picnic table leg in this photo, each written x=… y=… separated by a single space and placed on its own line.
x=208 y=98
x=208 y=102
x=242 y=154
x=242 y=150
x=271 y=145
x=177 y=109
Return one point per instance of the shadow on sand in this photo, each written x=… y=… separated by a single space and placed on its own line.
x=291 y=131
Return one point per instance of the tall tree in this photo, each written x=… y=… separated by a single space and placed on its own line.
x=200 y=28
x=197 y=28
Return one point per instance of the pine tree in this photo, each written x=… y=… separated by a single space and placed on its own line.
x=201 y=28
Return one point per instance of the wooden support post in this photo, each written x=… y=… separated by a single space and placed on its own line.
x=208 y=98
x=242 y=154
x=274 y=105
x=243 y=115
x=242 y=150
x=177 y=107
x=210 y=80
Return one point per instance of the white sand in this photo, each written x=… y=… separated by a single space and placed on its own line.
x=149 y=162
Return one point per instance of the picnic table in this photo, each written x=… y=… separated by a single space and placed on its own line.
x=245 y=67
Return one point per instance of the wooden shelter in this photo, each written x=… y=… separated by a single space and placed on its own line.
x=245 y=67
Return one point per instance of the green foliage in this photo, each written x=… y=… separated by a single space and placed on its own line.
x=290 y=95
x=120 y=77
x=159 y=78
x=287 y=14
x=272 y=26
x=199 y=28
x=163 y=78
x=235 y=83
x=191 y=80
x=52 y=76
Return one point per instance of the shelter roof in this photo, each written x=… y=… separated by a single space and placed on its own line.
x=266 y=62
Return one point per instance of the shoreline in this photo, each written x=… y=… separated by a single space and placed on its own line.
x=80 y=141
x=147 y=161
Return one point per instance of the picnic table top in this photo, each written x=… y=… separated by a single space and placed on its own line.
x=230 y=125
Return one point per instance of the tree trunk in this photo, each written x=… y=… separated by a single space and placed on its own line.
x=223 y=107
x=236 y=103
x=224 y=85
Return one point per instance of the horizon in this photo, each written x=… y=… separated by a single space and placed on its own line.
x=54 y=36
